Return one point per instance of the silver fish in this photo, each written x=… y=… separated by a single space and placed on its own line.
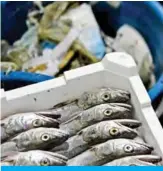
x=109 y=151
x=36 y=158
x=90 y=99
x=95 y=134
x=38 y=138
x=96 y=114
x=18 y=123
x=140 y=160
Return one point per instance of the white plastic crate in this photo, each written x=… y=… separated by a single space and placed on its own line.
x=117 y=70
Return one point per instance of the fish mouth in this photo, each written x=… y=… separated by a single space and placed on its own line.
x=130 y=133
x=59 y=162
x=146 y=147
x=63 y=136
x=131 y=123
x=123 y=105
x=53 y=122
x=56 y=139
x=149 y=158
x=49 y=114
x=124 y=94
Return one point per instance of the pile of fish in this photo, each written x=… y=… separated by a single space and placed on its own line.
x=59 y=38
x=26 y=137
x=94 y=129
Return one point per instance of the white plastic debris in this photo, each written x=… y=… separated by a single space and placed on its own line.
x=83 y=17
x=51 y=58
x=129 y=40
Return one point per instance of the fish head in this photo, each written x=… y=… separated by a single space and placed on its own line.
x=43 y=121
x=114 y=111
x=108 y=95
x=45 y=158
x=126 y=147
x=116 y=130
x=104 y=95
x=37 y=158
x=47 y=136
x=35 y=121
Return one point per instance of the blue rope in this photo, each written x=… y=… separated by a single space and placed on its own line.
x=24 y=77
x=157 y=89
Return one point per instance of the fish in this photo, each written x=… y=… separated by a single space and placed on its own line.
x=35 y=158
x=109 y=151
x=140 y=160
x=18 y=123
x=90 y=99
x=96 y=114
x=95 y=134
x=37 y=138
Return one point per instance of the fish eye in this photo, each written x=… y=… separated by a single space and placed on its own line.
x=36 y=123
x=106 y=96
x=107 y=112
x=45 y=162
x=114 y=131
x=45 y=137
x=128 y=148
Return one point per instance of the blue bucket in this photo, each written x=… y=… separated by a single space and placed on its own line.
x=146 y=17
